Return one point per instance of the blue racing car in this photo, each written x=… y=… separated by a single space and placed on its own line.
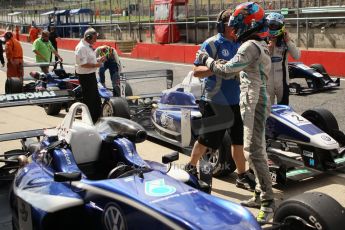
x=86 y=176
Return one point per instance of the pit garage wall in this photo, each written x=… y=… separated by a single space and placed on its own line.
x=333 y=61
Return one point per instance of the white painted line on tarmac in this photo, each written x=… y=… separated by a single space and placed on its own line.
x=141 y=60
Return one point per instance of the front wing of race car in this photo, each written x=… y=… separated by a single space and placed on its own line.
x=316 y=77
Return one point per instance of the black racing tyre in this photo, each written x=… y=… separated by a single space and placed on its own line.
x=221 y=159
x=9 y=169
x=116 y=107
x=316 y=209
x=319 y=68
x=13 y=85
x=323 y=119
x=52 y=109
x=128 y=90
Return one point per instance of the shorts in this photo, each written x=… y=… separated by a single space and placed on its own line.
x=236 y=131
x=216 y=119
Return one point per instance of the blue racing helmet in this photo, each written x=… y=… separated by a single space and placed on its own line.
x=275 y=23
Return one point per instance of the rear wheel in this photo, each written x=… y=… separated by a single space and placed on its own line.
x=310 y=211
x=116 y=107
x=221 y=159
x=13 y=85
x=53 y=109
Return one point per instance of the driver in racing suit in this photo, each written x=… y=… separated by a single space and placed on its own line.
x=254 y=62
x=280 y=45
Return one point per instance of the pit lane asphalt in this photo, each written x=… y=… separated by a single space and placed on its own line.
x=32 y=117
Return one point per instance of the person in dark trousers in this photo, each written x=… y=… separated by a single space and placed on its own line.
x=86 y=67
x=113 y=64
x=2 y=60
x=253 y=61
x=52 y=38
x=222 y=95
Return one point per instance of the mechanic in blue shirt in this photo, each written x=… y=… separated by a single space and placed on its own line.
x=220 y=103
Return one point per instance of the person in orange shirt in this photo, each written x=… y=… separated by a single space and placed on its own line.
x=33 y=33
x=14 y=54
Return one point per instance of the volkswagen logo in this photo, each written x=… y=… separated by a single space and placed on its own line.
x=326 y=138
x=113 y=218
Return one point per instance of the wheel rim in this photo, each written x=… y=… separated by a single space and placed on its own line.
x=211 y=156
x=296 y=222
x=107 y=110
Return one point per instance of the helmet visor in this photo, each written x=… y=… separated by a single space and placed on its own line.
x=274 y=25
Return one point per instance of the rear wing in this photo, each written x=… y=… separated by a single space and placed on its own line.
x=21 y=135
x=36 y=98
x=165 y=73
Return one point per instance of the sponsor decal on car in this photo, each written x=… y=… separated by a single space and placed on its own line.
x=158 y=188
x=67 y=157
x=24 y=96
x=113 y=218
x=167 y=121
x=326 y=138
x=308 y=153
x=297 y=172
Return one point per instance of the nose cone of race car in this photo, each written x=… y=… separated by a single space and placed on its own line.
x=188 y=207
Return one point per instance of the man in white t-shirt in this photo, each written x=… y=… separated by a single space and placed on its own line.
x=86 y=67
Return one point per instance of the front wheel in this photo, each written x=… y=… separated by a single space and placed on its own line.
x=116 y=107
x=323 y=119
x=221 y=159
x=310 y=211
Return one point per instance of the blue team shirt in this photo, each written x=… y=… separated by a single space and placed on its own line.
x=218 y=90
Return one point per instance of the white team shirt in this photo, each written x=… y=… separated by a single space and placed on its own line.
x=84 y=54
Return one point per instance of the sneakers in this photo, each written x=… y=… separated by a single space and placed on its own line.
x=191 y=169
x=266 y=211
x=245 y=182
x=253 y=202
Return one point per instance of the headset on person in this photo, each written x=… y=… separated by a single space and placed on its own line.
x=8 y=35
x=220 y=22
x=89 y=37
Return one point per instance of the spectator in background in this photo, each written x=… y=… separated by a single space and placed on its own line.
x=17 y=32
x=14 y=55
x=52 y=38
x=34 y=32
x=43 y=49
x=112 y=62
x=2 y=60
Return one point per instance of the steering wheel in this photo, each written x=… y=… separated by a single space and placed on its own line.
x=118 y=171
